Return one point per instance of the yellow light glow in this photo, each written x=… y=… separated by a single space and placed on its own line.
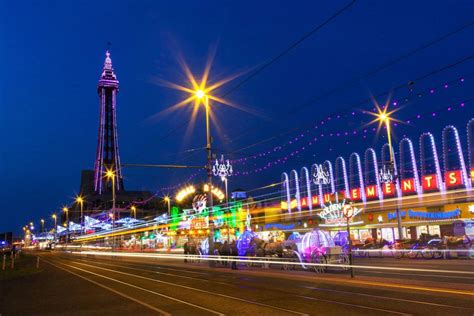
x=166 y=198
x=110 y=174
x=42 y=220
x=65 y=209
x=79 y=199
x=185 y=192
x=54 y=216
x=200 y=94
x=133 y=208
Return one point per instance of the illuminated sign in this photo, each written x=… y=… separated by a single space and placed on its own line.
x=355 y=194
x=371 y=191
x=182 y=194
x=408 y=185
x=279 y=226
x=334 y=214
x=426 y=215
x=388 y=189
x=215 y=191
x=453 y=178
x=429 y=182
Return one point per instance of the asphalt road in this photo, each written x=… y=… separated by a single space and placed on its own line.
x=146 y=287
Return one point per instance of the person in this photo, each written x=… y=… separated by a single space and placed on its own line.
x=225 y=252
x=186 y=251
x=234 y=253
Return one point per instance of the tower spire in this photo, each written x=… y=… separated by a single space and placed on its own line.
x=108 y=70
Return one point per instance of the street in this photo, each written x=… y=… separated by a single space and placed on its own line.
x=171 y=287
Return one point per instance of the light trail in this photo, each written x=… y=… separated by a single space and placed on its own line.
x=268 y=261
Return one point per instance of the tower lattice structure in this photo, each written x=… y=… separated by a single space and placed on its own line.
x=107 y=156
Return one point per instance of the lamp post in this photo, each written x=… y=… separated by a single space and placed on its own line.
x=42 y=225
x=66 y=211
x=388 y=176
x=55 y=224
x=168 y=202
x=134 y=211
x=348 y=212
x=110 y=175
x=80 y=201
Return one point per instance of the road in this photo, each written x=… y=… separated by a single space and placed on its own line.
x=171 y=287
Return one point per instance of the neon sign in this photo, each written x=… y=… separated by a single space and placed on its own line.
x=426 y=215
x=335 y=214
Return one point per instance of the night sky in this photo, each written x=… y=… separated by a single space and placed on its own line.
x=52 y=54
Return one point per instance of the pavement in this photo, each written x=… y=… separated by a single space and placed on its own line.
x=73 y=284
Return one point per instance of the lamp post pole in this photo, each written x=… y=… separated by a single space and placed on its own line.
x=42 y=225
x=113 y=209
x=209 y=180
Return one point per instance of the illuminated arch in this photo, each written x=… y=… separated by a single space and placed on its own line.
x=470 y=145
x=341 y=175
x=353 y=176
x=306 y=186
x=285 y=190
x=434 y=153
x=372 y=177
x=294 y=181
x=403 y=164
x=447 y=165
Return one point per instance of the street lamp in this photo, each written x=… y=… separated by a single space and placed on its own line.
x=55 y=223
x=134 y=211
x=42 y=225
x=168 y=202
x=80 y=201
x=66 y=211
x=384 y=117
x=110 y=175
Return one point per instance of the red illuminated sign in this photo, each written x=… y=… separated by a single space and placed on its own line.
x=408 y=185
x=429 y=182
x=327 y=197
x=371 y=191
x=388 y=189
x=355 y=194
x=453 y=178
x=315 y=200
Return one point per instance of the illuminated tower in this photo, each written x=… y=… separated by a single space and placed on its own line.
x=107 y=156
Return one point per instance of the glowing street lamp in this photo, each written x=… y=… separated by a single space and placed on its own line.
x=168 y=202
x=42 y=225
x=134 y=211
x=110 y=175
x=80 y=201
x=66 y=211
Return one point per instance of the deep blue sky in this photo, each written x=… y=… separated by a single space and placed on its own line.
x=52 y=54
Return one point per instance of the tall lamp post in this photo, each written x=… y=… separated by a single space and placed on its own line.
x=168 y=203
x=66 y=211
x=388 y=176
x=55 y=224
x=80 y=201
x=110 y=175
x=42 y=225
x=134 y=211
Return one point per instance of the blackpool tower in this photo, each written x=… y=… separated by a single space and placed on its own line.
x=107 y=156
